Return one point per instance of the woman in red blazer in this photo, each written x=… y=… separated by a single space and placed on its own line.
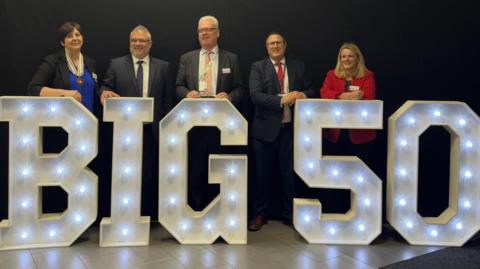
x=350 y=80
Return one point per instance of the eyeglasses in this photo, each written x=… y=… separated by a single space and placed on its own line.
x=275 y=43
x=206 y=30
x=142 y=41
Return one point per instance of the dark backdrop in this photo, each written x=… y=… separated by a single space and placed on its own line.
x=425 y=50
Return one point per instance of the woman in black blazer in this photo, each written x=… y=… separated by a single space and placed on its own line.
x=64 y=73
x=67 y=72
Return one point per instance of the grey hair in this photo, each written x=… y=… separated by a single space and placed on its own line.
x=211 y=18
x=142 y=28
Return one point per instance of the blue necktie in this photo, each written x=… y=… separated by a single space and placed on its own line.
x=140 y=79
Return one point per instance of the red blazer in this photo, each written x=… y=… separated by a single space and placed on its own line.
x=332 y=88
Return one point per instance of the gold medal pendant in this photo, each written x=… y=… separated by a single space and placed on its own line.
x=79 y=82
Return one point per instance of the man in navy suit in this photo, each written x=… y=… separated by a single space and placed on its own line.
x=121 y=76
x=206 y=72
x=276 y=82
x=140 y=75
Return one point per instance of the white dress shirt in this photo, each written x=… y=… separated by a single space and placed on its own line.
x=287 y=114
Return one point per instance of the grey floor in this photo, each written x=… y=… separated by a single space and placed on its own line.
x=275 y=246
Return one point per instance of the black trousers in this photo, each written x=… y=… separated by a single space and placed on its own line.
x=149 y=199
x=269 y=157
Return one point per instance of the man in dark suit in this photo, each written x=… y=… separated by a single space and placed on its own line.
x=121 y=78
x=141 y=75
x=206 y=72
x=276 y=83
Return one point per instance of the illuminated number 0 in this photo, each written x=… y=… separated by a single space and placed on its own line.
x=460 y=220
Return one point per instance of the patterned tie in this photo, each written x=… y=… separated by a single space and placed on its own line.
x=140 y=79
x=208 y=73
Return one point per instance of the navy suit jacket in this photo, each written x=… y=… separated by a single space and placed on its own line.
x=120 y=78
x=230 y=83
x=264 y=90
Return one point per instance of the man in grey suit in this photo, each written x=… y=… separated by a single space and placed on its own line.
x=206 y=72
x=140 y=75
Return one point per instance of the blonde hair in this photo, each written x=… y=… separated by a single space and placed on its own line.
x=360 y=69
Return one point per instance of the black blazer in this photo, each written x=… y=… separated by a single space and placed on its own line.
x=264 y=90
x=230 y=83
x=53 y=72
x=120 y=78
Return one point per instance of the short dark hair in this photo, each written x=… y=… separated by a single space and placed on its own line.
x=67 y=28
x=276 y=33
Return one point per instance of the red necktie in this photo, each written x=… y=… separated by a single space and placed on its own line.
x=280 y=76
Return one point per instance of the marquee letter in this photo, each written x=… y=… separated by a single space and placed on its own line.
x=460 y=220
x=362 y=223
x=126 y=227
x=29 y=170
x=226 y=215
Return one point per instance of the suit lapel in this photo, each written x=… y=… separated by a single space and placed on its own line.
x=131 y=73
x=221 y=62
x=64 y=70
x=195 y=68
x=273 y=74
x=291 y=72
x=151 y=75
x=88 y=65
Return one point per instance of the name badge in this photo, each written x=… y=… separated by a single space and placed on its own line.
x=226 y=70
x=353 y=88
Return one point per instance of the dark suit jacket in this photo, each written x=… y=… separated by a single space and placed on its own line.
x=53 y=72
x=264 y=90
x=120 y=78
x=230 y=83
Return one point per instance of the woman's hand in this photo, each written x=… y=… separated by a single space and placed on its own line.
x=72 y=93
x=353 y=95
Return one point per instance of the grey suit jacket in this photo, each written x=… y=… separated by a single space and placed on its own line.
x=230 y=83
x=120 y=78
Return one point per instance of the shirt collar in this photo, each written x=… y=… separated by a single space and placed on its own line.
x=145 y=60
x=214 y=50
x=282 y=61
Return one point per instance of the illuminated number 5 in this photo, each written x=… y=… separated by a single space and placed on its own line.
x=362 y=223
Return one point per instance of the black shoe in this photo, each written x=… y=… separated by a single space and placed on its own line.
x=257 y=223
